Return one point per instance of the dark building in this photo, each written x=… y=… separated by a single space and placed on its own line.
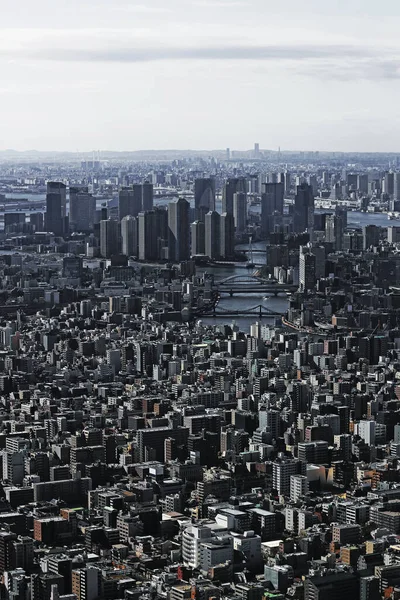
x=232 y=186
x=204 y=196
x=303 y=214
x=271 y=206
x=178 y=226
x=56 y=200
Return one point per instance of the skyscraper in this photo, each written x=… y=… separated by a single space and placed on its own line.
x=147 y=236
x=303 y=216
x=231 y=187
x=204 y=196
x=56 y=203
x=178 y=226
x=334 y=230
x=130 y=201
x=197 y=230
x=129 y=236
x=227 y=236
x=82 y=208
x=240 y=211
x=271 y=206
x=147 y=196
x=212 y=235
x=306 y=269
x=109 y=238
x=371 y=235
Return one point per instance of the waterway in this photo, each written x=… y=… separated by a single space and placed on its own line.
x=247 y=301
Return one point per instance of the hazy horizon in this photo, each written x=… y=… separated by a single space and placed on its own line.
x=198 y=74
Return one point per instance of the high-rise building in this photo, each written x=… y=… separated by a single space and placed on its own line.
x=303 y=215
x=86 y=583
x=82 y=208
x=227 y=235
x=129 y=236
x=334 y=230
x=306 y=269
x=366 y=431
x=147 y=242
x=212 y=234
x=271 y=206
x=298 y=487
x=282 y=470
x=396 y=186
x=153 y=234
x=130 y=201
x=109 y=238
x=240 y=211
x=231 y=187
x=371 y=234
x=197 y=230
x=147 y=196
x=56 y=202
x=178 y=226
x=204 y=196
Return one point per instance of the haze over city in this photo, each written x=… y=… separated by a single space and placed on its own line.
x=199 y=74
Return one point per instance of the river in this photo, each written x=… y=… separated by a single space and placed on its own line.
x=246 y=301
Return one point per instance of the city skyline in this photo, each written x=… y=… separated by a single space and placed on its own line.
x=141 y=76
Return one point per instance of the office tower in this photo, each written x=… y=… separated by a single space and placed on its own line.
x=362 y=184
x=371 y=234
x=396 y=186
x=82 y=208
x=240 y=211
x=388 y=183
x=227 y=235
x=56 y=202
x=320 y=261
x=306 y=269
x=152 y=234
x=393 y=234
x=14 y=221
x=313 y=183
x=178 y=226
x=231 y=187
x=129 y=236
x=130 y=201
x=197 y=238
x=147 y=196
x=109 y=238
x=334 y=230
x=256 y=150
x=287 y=182
x=204 y=196
x=212 y=234
x=303 y=215
x=147 y=240
x=271 y=206
x=36 y=219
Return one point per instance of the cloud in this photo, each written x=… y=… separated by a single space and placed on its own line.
x=336 y=60
x=228 y=52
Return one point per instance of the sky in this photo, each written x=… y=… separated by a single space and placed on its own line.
x=82 y=75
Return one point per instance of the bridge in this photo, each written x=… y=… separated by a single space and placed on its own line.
x=252 y=284
x=258 y=311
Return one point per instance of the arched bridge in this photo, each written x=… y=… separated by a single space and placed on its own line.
x=251 y=284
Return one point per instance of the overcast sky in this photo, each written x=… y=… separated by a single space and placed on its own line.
x=201 y=74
